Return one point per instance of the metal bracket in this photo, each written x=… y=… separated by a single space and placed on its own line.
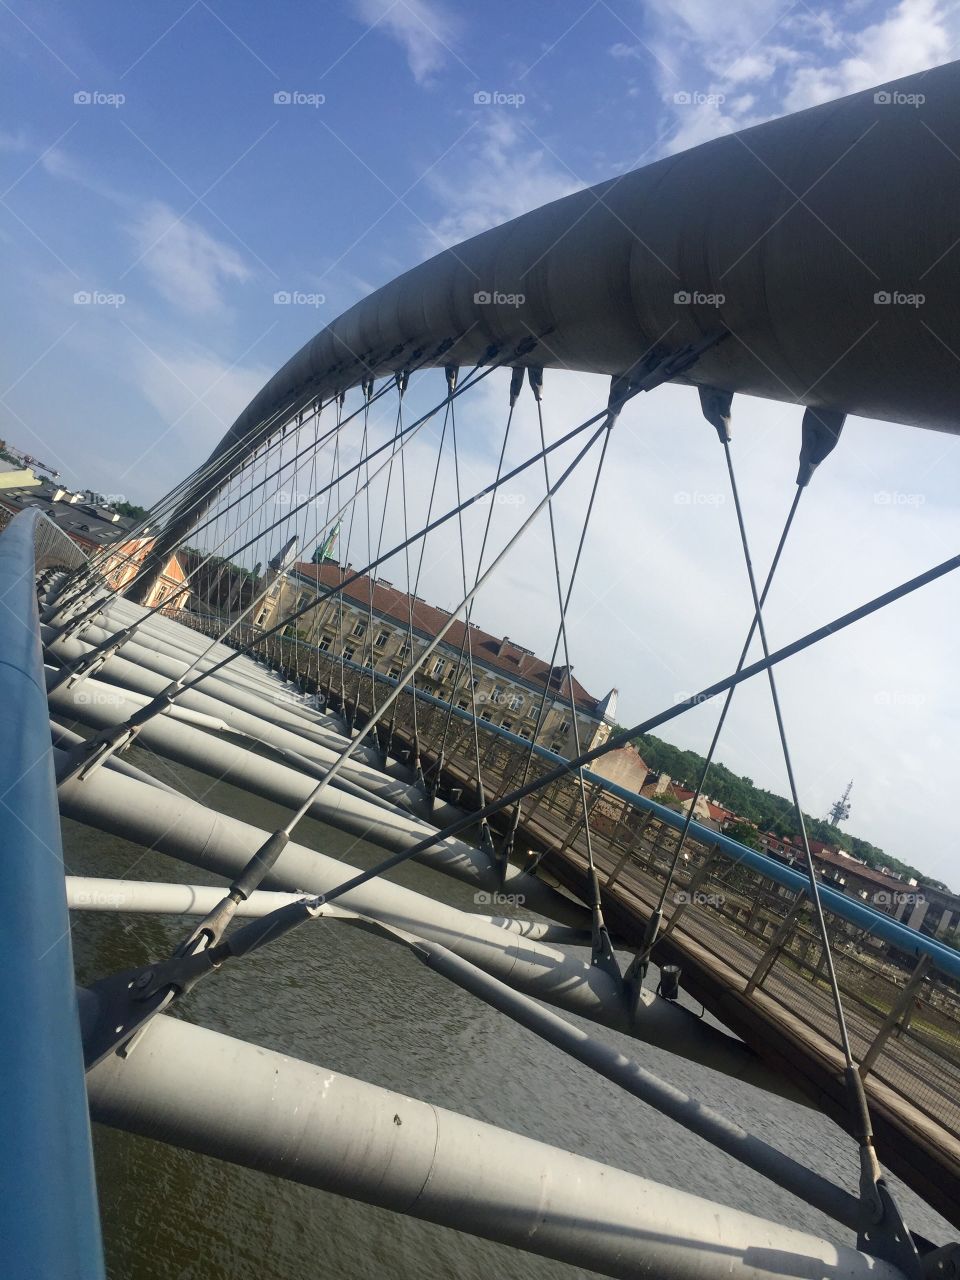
x=889 y=1238
x=941 y=1264
x=126 y=1001
x=820 y=431
x=646 y=374
x=716 y=405
x=73 y=673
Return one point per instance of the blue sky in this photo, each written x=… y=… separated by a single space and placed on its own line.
x=178 y=183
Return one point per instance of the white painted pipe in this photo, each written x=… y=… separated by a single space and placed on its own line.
x=186 y=829
x=99 y=893
x=100 y=705
x=140 y=671
x=255 y=1107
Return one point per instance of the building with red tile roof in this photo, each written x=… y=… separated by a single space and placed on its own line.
x=371 y=623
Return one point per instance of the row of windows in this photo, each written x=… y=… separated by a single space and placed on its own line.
x=515 y=701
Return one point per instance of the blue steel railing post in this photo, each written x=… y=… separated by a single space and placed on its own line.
x=49 y=1222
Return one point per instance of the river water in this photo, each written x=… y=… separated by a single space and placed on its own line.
x=358 y=1005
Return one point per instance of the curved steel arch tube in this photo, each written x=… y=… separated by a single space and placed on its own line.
x=784 y=235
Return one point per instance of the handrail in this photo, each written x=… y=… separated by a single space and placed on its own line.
x=49 y=1220
x=911 y=941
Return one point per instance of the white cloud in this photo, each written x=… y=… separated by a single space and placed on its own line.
x=505 y=171
x=761 y=59
x=186 y=265
x=424 y=29
x=916 y=35
x=196 y=394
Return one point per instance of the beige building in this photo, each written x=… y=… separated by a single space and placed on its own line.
x=371 y=623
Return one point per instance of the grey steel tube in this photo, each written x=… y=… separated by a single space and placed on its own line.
x=238 y=1102
x=137 y=668
x=49 y=1222
x=99 y=893
x=783 y=236
x=188 y=830
x=631 y=1076
x=100 y=705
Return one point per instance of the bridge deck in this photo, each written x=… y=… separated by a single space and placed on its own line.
x=913 y=1084
x=788 y=1021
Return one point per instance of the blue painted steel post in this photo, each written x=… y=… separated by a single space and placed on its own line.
x=49 y=1222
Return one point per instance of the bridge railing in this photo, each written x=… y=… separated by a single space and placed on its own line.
x=901 y=987
x=48 y=1206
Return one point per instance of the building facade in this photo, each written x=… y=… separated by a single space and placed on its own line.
x=94 y=527
x=374 y=625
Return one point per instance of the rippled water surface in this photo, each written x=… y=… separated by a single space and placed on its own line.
x=357 y=1004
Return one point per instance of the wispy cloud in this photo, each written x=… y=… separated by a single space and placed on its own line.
x=720 y=69
x=917 y=34
x=425 y=31
x=504 y=172
x=186 y=265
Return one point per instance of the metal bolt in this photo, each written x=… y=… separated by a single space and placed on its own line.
x=144 y=979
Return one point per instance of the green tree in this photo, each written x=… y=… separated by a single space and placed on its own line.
x=130 y=509
x=744 y=833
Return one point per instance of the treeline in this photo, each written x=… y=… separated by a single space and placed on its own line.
x=770 y=812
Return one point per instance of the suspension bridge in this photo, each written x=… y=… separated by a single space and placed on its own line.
x=623 y=899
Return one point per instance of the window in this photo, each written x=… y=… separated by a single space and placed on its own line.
x=348 y=652
x=439 y=667
x=395 y=673
x=516 y=701
x=368 y=663
x=403 y=652
x=506 y=724
x=381 y=639
x=485 y=715
x=360 y=629
x=304 y=598
x=260 y=617
x=463 y=704
x=525 y=733
x=563 y=726
x=498 y=692
x=323 y=644
x=475 y=683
